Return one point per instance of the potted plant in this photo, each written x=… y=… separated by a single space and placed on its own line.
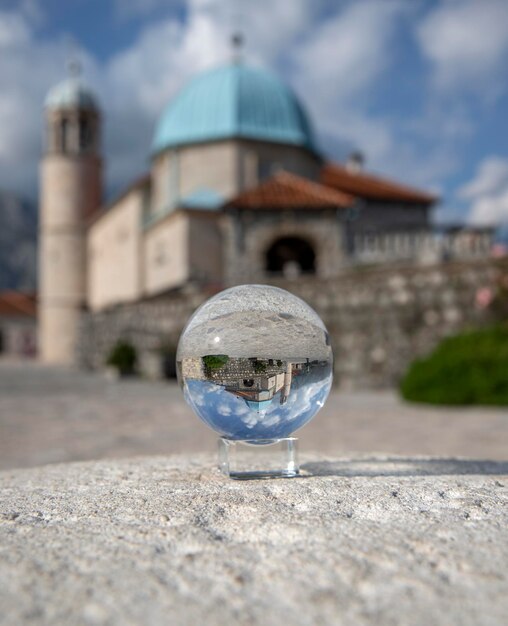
x=123 y=358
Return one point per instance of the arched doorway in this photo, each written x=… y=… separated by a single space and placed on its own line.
x=291 y=256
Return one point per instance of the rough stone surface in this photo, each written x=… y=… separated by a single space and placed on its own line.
x=170 y=541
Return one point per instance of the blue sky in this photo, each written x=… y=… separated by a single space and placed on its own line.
x=419 y=86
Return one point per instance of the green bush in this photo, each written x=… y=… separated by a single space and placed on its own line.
x=123 y=357
x=470 y=368
x=214 y=362
x=259 y=366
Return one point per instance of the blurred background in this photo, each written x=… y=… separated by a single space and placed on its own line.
x=155 y=152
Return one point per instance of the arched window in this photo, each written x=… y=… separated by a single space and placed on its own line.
x=64 y=134
x=290 y=256
x=85 y=134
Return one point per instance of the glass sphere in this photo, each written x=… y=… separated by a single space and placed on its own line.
x=255 y=363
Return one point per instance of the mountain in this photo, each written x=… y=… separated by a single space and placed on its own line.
x=18 y=243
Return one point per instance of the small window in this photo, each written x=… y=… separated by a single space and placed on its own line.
x=160 y=254
x=64 y=134
x=85 y=134
x=264 y=169
x=267 y=168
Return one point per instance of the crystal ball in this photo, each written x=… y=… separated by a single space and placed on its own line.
x=255 y=363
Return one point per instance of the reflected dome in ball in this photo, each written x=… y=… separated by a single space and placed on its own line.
x=255 y=363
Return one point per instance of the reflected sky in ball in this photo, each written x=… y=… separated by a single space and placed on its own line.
x=232 y=417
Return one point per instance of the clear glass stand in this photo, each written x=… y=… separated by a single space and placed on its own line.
x=250 y=459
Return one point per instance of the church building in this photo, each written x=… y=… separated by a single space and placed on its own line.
x=238 y=191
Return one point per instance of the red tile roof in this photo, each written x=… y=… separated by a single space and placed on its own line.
x=15 y=303
x=371 y=187
x=288 y=191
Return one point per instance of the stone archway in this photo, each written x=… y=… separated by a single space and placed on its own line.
x=290 y=256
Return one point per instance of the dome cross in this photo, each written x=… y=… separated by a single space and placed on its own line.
x=237 y=43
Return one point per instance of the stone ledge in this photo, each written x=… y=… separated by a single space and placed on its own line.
x=170 y=541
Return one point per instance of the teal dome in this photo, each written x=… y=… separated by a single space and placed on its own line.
x=71 y=94
x=258 y=406
x=234 y=101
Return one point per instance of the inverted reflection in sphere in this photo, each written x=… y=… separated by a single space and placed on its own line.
x=255 y=363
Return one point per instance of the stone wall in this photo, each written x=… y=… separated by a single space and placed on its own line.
x=18 y=336
x=114 y=253
x=166 y=254
x=379 y=318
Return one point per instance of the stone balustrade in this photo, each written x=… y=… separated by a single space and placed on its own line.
x=420 y=247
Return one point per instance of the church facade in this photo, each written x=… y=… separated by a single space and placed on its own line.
x=238 y=191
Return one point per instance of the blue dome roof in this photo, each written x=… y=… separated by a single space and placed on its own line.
x=70 y=94
x=234 y=101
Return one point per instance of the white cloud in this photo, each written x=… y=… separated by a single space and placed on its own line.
x=349 y=51
x=14 y=31
x=487 y=193
x=491 y=178
x=467 y=42
x=338 y=65
x=224 y=409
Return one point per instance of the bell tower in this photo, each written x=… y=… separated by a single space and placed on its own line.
x=70 y=192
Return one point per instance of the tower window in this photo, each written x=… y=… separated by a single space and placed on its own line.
x=64 y=134
x=85 y=134
x=160 y=254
